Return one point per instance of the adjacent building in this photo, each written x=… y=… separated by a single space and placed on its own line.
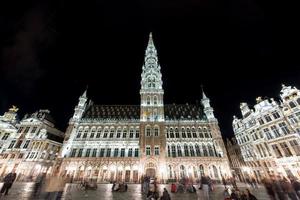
x=237 y=163
x=268 y=135
x=31 y=146
x=124 y=142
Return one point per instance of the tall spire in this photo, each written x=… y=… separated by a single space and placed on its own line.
x=85 y=92
x=151 y=75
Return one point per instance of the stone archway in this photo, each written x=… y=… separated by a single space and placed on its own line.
x=150 y=169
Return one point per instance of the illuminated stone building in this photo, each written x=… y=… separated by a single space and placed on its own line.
x=269 y=135
x=32 y=147
x=124 y=142
x=236 y=159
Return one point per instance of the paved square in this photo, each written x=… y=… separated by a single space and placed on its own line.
x=23 y=191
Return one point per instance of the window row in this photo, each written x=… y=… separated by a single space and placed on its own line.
x=276 y=131
x=108 y=133
x=149 y=153
x=188 y=133
x=105 y=152
x=191 y=150
x=292 y=104
x=283 y=149
x=27 y=128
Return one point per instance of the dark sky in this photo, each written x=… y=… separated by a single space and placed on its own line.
x=238 y=49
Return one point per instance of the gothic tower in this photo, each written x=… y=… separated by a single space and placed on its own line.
x=152 y=139
x=73 y=123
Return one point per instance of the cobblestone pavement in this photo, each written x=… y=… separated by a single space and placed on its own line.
x=21 y=191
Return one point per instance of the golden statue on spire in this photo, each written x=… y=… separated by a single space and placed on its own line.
x=14 y=109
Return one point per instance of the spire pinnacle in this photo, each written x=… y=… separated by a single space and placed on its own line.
x=203 y=94
x=85 y=91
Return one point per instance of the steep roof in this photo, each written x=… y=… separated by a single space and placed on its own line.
x=127 y=112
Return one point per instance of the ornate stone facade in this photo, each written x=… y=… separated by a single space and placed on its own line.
x=124 y=142
x=32 y=146
x=269 y=135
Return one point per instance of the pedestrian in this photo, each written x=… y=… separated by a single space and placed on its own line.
x=288 y=189
x=8 y=182
x=224 y=181
x=269 y=188
x=166 y=195
x=38 y=184
x=277 y=185
x=205 y=187
x=250 y=195
x=296 y=185
x=55 y=185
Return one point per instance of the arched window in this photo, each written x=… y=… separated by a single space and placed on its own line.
x=201 y=169
x=119 y=133
x=148 y=100
x=188 y=131
x=179 y=152
x=186 y=150
x=93 y=131
x=176 y=133
x=173 y=148
x=198 y=152
x=194 y=133
x=156 y=131
x=210 y=150
x=99 y=130
x=137 y=132
x=292 y=104
x=171 y=133
x=205 y=132
x=183 y=133
x=200 y=132
x=148 y=131
x=111 y=133
x=169 y=151
x=131 y=133
x=182 y=171
x=86 y=130
x=192 y=150
x=155 y=100
x=124 y=133
x=105 y=133
x=204 y=150
x=79 y=132
x=216 y=175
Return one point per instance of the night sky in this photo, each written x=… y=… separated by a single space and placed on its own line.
x=238 y=49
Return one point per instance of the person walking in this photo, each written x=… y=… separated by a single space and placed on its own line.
x=55 y=186
x=296 y=185
x=250 y=195
x=205 y=187
x=269 y=188
x=8 y=182
x=166 y=195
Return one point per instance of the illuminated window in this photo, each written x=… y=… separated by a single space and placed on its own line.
x=148 y=150
x=122 y=152
x=286 y=149
x=130 y=152
x=131 y=133
x=179 y=152
x=80 y=153
x=156 y=150
x=94 y=154
x=156 y=131
x=148 y=131
x=87 y=153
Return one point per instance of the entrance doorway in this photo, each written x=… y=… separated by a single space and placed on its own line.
x=150 y=172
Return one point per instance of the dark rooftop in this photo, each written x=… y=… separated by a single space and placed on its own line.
x=172 y=112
